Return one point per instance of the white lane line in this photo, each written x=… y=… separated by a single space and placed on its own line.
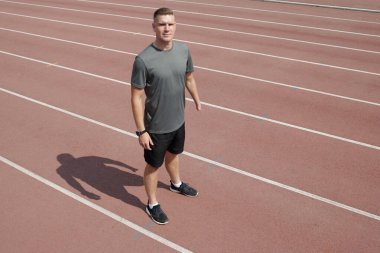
x=204 y=27
x=260 y=10
x=207 y=45
x=77 y=10
x=284 y=39
x=66 y=68
x=216 y=5
x=285 y=58
x=253 y=20
x=292 y=86
x=286 y=187
x=324 y=6
x=238 y=18
x=52 y=64
x=200 y=67
x=271 y=11
x=75 y=115
x=76 y=24
x=213 y=106
x=295 y=127
x=68 y=41
x=96 y=207
x=206 y=160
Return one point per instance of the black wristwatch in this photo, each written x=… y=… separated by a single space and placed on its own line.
x=139 y=133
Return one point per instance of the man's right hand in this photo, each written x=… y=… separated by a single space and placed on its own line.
x=145 y=141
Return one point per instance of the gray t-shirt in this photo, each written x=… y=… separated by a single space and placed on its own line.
x=163 y=75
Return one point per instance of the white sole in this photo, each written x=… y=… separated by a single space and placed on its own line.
x=174 y=190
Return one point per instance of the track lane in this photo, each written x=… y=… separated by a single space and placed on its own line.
x=53 y=221
x=245 y=15
x=145 y=17
x=102 y=45
x=286 y=7
x=289 y=167
x=140 y=25
x=274 y=211
x=308 y=115
x=281 y=245
x=362 y=5
x=371 y=82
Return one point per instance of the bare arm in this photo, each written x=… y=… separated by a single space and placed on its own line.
x=191 y=86
x=137 y=100
x=66 y=173
x=117 y=163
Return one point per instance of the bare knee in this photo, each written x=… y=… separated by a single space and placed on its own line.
x=150 y=170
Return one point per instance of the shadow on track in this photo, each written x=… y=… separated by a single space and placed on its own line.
x=102 y=174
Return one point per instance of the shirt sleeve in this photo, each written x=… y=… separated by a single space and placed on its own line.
x=189 y=66
x=139 y=74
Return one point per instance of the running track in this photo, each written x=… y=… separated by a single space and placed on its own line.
x=285 y=152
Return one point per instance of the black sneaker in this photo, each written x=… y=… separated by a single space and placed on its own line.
x=184 y=189
x=157 y=214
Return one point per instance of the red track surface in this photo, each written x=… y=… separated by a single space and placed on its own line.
x=285 y=153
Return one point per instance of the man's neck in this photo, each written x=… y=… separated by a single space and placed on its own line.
x=163 y=46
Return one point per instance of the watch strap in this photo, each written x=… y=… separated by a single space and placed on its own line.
x=139 y=133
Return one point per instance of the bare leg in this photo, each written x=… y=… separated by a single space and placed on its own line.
x=172 y=167
x=150 y=183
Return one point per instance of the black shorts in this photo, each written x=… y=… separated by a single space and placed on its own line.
x=173 y=142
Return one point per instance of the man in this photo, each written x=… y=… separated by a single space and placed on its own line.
x=161 y=72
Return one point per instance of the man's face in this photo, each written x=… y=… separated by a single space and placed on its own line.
x=164 y=26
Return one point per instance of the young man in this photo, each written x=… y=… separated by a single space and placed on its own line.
x=161 y=72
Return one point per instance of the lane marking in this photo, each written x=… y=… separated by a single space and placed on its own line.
x=206 y=160
x=66 y=68
x=77 y=24
x=218 y=16
x=284 y=39
x=52 y=65
x=293 y=87
x=68 y=41
x=295 y=127
x=284 y=186
x=208 y=45
x=75 y=115
x=215 y=5
x=238 y=18
x=284 y=58
x=324 y=6
x=207 y=27
x=271 y=11
x=212 y=105
x=96 y=207
x=254 y=9
x=202 y=68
